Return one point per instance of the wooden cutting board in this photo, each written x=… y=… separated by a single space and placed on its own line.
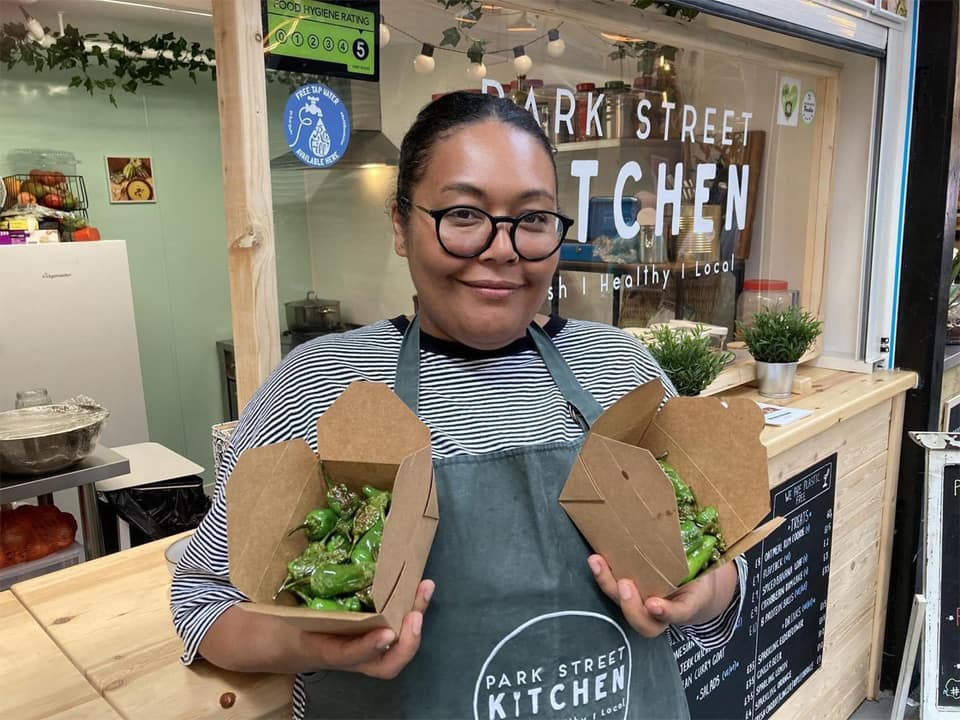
x=111 y=617
x=38 y=680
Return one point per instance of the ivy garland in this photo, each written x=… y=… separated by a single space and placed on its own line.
x=107 y=62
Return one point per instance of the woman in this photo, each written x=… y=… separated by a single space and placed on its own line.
x=523 y=623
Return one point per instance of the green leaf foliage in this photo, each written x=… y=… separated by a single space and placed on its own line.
x=781 y=336
x=128 y=64
x=451 y=37
x=686 y=357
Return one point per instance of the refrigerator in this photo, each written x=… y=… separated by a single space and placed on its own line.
x=67 y=325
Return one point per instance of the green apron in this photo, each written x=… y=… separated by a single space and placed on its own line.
x=517 y=627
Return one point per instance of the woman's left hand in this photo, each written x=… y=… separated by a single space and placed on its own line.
x=696 y=602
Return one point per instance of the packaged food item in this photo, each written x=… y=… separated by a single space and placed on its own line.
x=631 y=508
x=368 y=443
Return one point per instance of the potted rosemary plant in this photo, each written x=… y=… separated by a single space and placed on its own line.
x=686 y=357
x=777 y=340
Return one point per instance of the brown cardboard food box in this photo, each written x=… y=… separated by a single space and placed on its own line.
x=368 y=436
x=625 y=506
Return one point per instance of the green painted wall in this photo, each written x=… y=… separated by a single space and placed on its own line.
x=177 y=247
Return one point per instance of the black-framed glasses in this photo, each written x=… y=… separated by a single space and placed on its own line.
x=465 y=231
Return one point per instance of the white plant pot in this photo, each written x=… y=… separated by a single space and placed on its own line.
x=775 y=380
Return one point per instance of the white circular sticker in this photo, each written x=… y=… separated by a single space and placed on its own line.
x=808 y=108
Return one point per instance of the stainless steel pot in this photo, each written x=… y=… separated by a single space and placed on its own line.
x=313 y=314
x=43 y=439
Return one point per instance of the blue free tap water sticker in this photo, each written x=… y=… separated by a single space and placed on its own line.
x=317 y=125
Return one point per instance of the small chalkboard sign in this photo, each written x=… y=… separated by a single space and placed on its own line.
x=940 y=679
x=774 y=649
x=948 y=662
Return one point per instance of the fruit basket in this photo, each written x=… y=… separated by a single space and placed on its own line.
x=46 y=188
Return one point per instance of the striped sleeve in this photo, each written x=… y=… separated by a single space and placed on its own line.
x=717 y=632
x=201 y=590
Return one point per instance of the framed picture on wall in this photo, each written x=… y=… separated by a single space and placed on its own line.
x=130 y=179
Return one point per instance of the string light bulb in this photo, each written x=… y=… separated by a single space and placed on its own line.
x=555 y=44
x=521 y=61
x=424 y=62
x=384 y=33
x=476 y=70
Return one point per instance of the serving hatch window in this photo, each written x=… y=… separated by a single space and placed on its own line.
x=695 y=155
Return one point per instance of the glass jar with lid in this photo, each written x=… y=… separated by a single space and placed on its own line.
x=760 y=293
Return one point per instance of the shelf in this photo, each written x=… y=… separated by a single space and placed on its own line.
x=102 y=464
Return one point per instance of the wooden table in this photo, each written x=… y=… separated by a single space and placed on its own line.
x=38 y=681
x=111 y=618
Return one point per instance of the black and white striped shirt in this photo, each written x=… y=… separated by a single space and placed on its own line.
x=473 y=402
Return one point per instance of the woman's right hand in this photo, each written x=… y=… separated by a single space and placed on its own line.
x=379 y=653
x=251 y=642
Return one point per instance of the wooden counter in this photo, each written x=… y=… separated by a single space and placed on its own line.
x=111 y=618
x=38 y=681
x=859 y=417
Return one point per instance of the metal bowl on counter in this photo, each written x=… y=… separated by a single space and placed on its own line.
x=47 y=438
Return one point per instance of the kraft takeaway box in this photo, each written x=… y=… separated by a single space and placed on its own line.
x=368 y=436
x=623 y=503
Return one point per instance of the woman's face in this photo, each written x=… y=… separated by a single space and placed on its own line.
x=484 y=302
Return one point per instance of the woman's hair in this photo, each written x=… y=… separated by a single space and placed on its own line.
x=447 y=113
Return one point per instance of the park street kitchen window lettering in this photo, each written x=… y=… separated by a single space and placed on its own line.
x=669 y=178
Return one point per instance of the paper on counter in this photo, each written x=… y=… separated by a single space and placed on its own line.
x=779 y=416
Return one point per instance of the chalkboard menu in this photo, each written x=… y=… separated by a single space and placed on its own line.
x=949 y=695
x=779 y=640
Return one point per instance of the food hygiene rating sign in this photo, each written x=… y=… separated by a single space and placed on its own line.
x=323 y=38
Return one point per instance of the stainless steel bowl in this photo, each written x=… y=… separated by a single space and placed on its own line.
x=47 y=438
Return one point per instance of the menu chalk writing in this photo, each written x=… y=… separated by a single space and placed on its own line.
x=778 y=643
x=949 y=695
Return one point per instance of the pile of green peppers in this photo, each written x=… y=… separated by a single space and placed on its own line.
x=335 y=572
x=699 y=527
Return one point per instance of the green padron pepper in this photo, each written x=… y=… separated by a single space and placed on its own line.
x=318 y=524
x=325 y=604
x=301 y=567
x=345 y=527
x=379 y=498
x=337 y=541
x=366 y=517
x=699 y=556
x=342 y=500
x=349 y=604
x=690 y=535
x=686 y=503
x=365 y=597
x=368 y=547
x=331 y=580
x=708 y=520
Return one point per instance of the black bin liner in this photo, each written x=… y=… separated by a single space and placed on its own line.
x=153 y=511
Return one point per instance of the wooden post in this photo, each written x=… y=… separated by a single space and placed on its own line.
x=241 y=89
